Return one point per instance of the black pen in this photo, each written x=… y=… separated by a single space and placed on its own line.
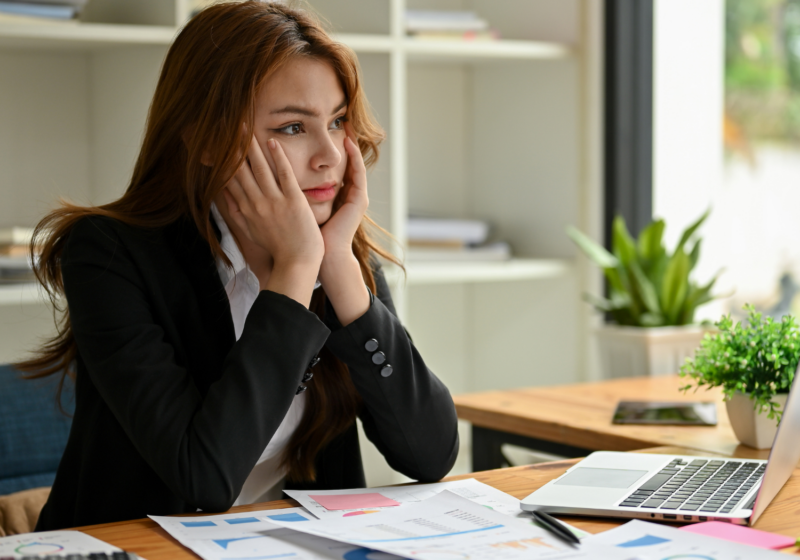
x=556 y=527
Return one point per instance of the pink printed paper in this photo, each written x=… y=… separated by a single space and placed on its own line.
x=352 y=501
x=737 y=533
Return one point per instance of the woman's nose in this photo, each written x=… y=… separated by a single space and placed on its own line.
x=327 y=153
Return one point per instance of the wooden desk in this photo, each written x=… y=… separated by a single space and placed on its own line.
x=574 y=420
x=147 y=539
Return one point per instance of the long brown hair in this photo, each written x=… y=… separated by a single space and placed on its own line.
x=208 y=85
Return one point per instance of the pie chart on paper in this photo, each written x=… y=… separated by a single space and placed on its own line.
x=38 y=549
x=361 y=512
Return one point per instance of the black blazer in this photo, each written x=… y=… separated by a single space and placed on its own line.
x=172 y=412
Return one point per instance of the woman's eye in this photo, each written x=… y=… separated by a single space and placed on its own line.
x=338 y=123
x=291 y=129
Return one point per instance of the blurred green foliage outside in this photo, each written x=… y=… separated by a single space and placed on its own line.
x=762 y=73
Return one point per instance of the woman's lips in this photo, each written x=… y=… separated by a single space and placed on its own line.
x=322 y=193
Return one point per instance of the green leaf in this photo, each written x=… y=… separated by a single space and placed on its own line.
x=594 y=251
x=622 y=243
x=694 y=255
x=675 y=286
x=688 y=232
x=644 y=288
x=650 y=246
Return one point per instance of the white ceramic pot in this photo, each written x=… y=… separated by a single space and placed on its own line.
x=634 y=351
x=752 y=428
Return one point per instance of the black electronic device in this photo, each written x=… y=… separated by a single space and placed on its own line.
x=664 y=413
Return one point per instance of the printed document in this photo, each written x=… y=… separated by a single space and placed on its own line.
x=648 y=541
x=451 y=526
x=52 y=543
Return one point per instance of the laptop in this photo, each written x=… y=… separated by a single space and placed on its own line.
x=676 y=488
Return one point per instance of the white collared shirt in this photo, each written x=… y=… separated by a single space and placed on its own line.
x=265 y=481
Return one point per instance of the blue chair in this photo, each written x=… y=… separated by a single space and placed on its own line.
x=33 y=431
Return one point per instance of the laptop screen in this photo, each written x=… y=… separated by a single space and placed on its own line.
x=785 y=453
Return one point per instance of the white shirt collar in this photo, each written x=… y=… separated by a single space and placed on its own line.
x=229 y=247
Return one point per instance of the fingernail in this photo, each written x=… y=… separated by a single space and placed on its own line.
x=271 y=143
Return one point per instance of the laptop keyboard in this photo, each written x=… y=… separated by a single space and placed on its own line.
x=700 y=485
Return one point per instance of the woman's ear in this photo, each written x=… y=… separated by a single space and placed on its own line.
x=187 y=136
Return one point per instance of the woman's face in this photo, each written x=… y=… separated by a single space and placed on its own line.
x=303 y=107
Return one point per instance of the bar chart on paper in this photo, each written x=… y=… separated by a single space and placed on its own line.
x=659 y=542
x=349 y=503
x=451 y=527
x=254 y=536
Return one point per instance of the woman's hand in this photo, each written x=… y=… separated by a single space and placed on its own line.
x=340 y=228
x=274 y=214
x=340 y=272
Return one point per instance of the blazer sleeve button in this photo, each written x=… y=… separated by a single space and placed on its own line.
x=387 y=370
x=314 y=362
x=378 y=358
x=307 y=377
x=371 y=345
x=300 y=389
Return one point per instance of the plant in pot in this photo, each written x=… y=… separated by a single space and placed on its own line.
x=651 y=298
x=754 y=364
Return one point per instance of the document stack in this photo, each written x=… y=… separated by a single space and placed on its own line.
x=15 y=255
x=40 y=11
x=448 y=25
x=433 y=240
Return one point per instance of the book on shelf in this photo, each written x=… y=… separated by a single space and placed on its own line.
x=16 y=270
x=435 y=20
x=15 y=235
x=433 y=25
x=468 y=232
x=53 y=11
x=490 y=252
x=490 y=35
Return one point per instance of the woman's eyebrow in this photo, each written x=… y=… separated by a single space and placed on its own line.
x=296 y=110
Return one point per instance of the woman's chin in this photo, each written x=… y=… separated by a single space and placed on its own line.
x=322 y=213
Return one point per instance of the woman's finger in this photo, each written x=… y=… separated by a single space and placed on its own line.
x=261 y=170
x=286 y=178
x=246 y=186
x=355 y=159
x=235 y=190
x=235 y=212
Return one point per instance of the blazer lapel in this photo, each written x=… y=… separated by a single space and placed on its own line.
x=193 y=255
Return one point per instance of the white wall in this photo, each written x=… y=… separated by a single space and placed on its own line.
x=688 y=112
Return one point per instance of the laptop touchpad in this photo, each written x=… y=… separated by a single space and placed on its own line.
x=601 y=478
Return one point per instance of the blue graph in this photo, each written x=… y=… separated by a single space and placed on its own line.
x=365 y=554
x=647 y=540
x=225 y=542
x=238 y=520
x=198 y=524
x=288 y=517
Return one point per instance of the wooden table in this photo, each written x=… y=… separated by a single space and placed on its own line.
x=574 y=420
x=147 y=539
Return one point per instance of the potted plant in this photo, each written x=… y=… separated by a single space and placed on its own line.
x=755 y=366
x=651 y=299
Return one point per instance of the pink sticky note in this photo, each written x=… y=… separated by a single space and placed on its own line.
x=353 y=501
x=740 y=534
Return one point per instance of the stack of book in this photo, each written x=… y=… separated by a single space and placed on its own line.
x=437 y=240
x=448 y=25
x=40 y=11
x=15 y=255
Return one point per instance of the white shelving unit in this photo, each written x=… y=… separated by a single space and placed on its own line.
x=506 y=131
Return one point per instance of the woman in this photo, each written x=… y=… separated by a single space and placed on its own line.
x=201 y=302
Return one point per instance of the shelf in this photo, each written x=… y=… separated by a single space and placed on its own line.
x=21 y=294
x=500 y=271
x=419 y=49
x=82 y=36
x=97 y=36
x=362 y=43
